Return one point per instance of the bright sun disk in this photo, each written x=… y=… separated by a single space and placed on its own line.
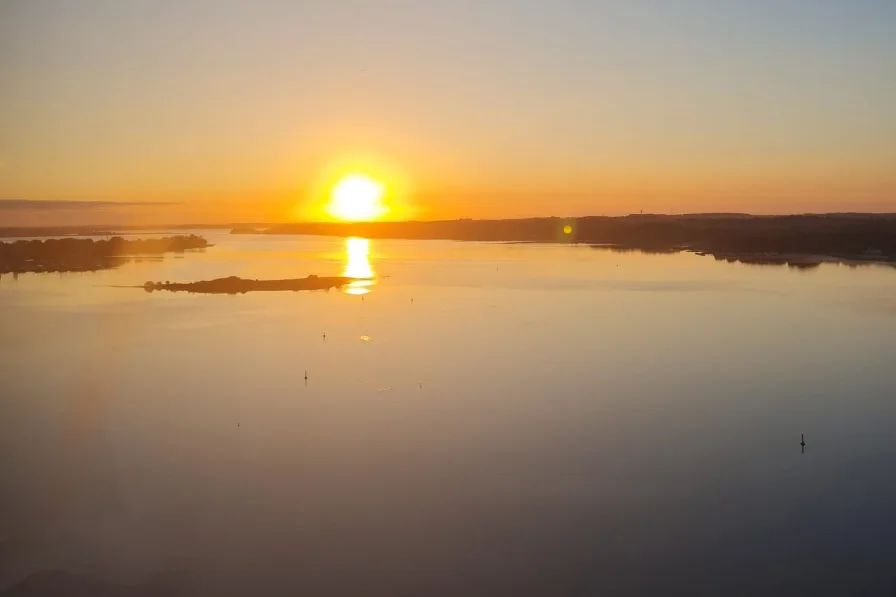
x=357 y=197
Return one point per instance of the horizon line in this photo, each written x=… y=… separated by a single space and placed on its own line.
x=196 y=225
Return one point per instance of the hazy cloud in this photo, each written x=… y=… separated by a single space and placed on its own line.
x=31 y=205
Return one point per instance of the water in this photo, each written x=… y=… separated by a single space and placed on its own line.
x=485 y=419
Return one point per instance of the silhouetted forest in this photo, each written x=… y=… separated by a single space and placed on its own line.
x=847 y=236
x=82 y=254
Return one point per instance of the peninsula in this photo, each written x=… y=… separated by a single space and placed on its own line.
x=84 y=254
x=849 y=237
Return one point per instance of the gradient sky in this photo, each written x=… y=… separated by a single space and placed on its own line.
x=244 y=111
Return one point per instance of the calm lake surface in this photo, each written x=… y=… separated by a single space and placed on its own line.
x=485 y=419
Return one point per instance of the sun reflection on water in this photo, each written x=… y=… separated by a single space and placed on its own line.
x=357 y=265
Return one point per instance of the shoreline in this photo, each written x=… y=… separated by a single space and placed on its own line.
x=82 y=254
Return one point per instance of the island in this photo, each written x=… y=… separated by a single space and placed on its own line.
x=84 y=254
x=236 y=285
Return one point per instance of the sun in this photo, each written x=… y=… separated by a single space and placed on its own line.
x=357 y=198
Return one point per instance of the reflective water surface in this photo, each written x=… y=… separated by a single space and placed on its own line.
x=357 y=265
x=484 y=419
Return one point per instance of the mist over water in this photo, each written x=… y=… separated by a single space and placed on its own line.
x=496 y=419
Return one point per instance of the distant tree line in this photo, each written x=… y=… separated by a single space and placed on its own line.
x=84 y=254
x=722 y=235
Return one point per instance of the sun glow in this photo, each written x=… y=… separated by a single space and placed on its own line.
x=357 y=198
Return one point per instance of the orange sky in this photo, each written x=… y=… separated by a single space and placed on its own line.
x=462 y=109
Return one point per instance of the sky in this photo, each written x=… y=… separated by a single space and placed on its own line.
x=224 y=110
